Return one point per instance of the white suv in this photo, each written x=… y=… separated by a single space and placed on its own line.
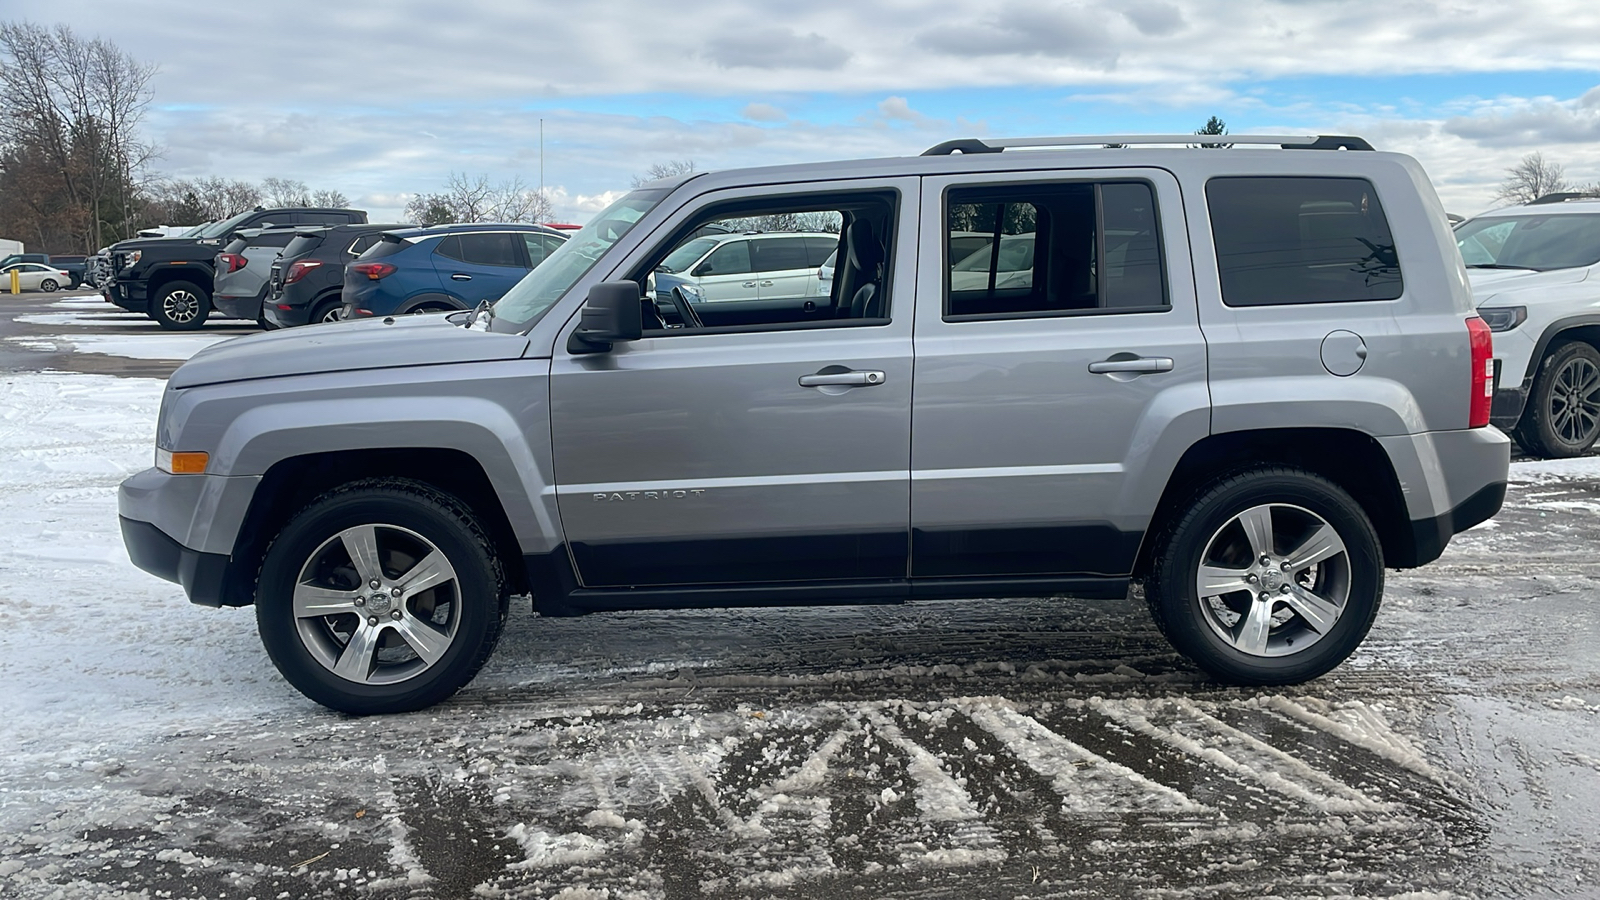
x=1534 y=273
x=768 y=266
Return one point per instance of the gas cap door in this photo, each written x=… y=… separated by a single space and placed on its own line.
x=1343 y=353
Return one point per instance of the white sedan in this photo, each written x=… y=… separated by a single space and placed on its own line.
x=34 y=277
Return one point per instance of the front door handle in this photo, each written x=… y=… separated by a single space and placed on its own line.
x=748 y=284
x=847 y=378
x=461 y=277
x=1133 y=365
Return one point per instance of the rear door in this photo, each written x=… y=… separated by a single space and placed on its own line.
x=1047 y=402
x=481 y=265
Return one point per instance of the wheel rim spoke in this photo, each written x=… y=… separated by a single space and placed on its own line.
x=362 y=544
x=360 y=655
x=1215 y=581
x=1317 y=612
x=1323 y=544
x=1257 y=627
x=310 y=601
x=428 y=644
x=1257 y=523
x=430 y=571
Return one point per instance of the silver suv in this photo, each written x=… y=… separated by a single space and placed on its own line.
x=1250 y=379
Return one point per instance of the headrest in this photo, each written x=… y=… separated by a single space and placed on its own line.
x=866 y=254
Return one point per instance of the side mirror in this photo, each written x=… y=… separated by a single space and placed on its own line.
x=610 y=313
x=702 y=269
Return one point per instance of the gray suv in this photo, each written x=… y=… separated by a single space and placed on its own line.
x=1250 y=379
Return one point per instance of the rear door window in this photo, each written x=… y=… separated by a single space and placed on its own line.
x=732 y=258
x=778 y=254
x=495 y=248
x=360 y=244
x=1285 y=240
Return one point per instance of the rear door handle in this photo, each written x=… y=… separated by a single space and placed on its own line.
x=822 y=379
x=460 y=277
x=1138 y=365
x=766 y=284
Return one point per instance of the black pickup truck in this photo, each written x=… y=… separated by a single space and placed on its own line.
x=169 y=279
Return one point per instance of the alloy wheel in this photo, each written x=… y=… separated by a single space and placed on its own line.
x=1273 y=580
x=377 y=604
x=1575 y=401
x=180 y=306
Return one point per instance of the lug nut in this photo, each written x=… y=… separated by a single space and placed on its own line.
x=374 y=584
x=372 y=620
x=1251 y=577
x=395 y=615
x=361 y=601
x=1265 y=596
x=1285 y=565
x=1284 y=589
x=394 y=592
x=1265 y=559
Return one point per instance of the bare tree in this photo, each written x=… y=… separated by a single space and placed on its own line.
x=276 y=192
x=1531 y=179
x=664 y=170
x=73 y=106
x=329 y=199
x=468 y=198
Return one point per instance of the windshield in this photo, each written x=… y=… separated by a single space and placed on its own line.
x=192 y=232
x=540 y=289
x=684 y=256
x=221 y=228
x=1561 y=241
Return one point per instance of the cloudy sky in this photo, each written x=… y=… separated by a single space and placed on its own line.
x=383 y=100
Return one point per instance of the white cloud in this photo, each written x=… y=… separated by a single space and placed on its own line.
x=899 y=109
x=763 y=112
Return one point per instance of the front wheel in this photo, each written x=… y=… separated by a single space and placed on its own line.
x=1267 y=576
x=180 y=306
x=1563 y=415
x=381 y=596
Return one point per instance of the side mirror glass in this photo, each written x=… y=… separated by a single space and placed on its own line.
x=610 y=313
x=702 y=269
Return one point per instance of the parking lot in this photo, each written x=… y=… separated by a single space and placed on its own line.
x=987 y=747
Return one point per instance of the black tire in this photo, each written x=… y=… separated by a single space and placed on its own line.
x=180 y=306
x=1563 y=414
x=425 y=308
x=407 y=517
x=48 y=285
x=326 y=311
x=1208 y=523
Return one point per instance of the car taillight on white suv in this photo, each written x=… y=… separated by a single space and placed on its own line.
x=1482 y=372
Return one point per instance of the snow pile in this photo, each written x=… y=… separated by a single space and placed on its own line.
x=130 y=346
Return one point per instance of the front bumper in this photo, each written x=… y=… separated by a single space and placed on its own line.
x=183 y=528
x=130 y=295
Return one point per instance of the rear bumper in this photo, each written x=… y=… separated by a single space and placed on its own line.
x=1431 y=536
x=238 y=307
x=1451 y=481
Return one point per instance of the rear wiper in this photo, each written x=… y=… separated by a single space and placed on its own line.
x=1500 y=266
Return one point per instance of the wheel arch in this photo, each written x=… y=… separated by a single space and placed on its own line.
x=417 y=300
x=291 y=483
x=1353 y=460
x=1585 y=328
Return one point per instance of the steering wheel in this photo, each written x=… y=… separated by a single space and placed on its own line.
x=685 y=310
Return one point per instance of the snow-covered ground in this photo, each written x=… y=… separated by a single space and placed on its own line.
x=975 y=749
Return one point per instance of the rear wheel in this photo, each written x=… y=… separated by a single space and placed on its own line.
x=381 y=596
x=326 y=311
x=1563 y=414
x=1267 y=576
x=48 y=286
x=180 y=306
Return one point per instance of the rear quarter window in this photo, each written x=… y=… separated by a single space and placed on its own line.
x=1289 y=240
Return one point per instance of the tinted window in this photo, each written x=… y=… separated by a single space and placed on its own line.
x=551 y=242
x=388 y=245
x=484 y=249
x=778 y=254
x=280 y=239
x=359 y=246
x=235 y=245
x=323 y=218
x=1052 y=249
x=303 y=244
x=1301 y=240
x=535 y=245
x=818 y=250
x=732 y=258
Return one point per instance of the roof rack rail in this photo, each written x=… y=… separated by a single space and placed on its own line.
x=1560 y=197
x=1285 y=141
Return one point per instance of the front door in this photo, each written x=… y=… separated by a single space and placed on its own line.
x=1058 y=379
x=753 y=454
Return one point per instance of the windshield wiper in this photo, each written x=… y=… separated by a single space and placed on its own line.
x=1500 y=266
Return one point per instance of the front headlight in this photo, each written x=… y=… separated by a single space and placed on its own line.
x=133 y=257
x=1503 y=318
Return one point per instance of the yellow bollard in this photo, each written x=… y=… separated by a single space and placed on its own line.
x=16 y=281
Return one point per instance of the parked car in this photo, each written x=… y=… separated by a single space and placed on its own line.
x=773 y=267
x=1013 y=269
x=1535 y=273
x=444 y=267
x=32 y=276
x=75 y=265
x=12 y=259
x=170 y=279
x=306 y=281
x=1254 y=423
x=242 y=268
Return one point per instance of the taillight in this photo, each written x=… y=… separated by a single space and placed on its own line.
x=373 y=270
x=298 y=271
x=233 y=261
x=1482 y=372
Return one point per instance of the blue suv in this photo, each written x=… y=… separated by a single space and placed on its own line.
x=443 y=267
